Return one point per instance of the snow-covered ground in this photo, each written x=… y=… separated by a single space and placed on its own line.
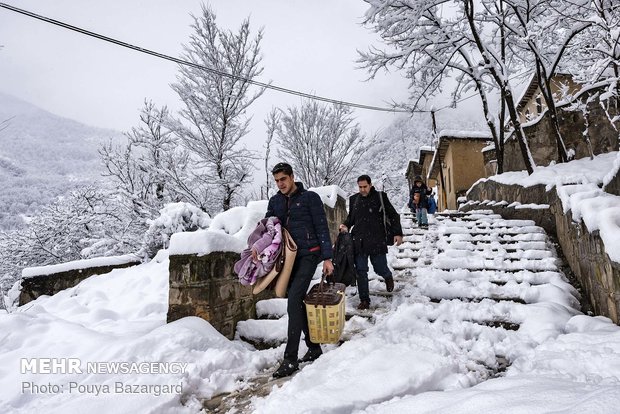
x=467 y=304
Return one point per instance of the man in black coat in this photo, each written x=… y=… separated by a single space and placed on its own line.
x=301 y=213
x=366 y=216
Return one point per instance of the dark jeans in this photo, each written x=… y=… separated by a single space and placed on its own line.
x=301 y=275
x=379 y=265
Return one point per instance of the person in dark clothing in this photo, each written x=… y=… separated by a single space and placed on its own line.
x=301 y=213
x=419 y=203
x=366 y=217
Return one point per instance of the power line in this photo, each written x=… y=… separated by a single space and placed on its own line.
x=186 y=63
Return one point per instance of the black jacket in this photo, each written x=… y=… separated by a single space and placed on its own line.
x=366 y=218
x=302 y=214
x=424 y=193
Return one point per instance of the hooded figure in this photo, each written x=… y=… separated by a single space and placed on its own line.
x=421 y=207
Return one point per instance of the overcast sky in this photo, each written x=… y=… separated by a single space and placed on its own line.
x=310 y=46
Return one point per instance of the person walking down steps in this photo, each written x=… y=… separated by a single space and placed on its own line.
x=301 y=212
x=418 y=201
x=367 y=211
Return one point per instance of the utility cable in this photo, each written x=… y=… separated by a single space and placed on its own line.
x=215 y=71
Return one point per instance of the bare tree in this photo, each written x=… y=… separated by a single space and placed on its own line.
x=150 y=170
x=321 y=142
x=272 y=121
x=595 y=61
x=216 y=92
x=545 y=31
x=429 y=47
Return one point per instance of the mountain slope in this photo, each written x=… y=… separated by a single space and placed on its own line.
x=42 y=156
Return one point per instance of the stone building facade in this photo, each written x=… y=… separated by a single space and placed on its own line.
x=602 y=135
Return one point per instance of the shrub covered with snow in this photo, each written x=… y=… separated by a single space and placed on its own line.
x=173 y=218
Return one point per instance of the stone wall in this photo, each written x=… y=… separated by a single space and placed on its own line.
x=604 y=138
x=584 y=251
x=613 y=187
x=335 y=216
x=206 y=286
x=50 y=284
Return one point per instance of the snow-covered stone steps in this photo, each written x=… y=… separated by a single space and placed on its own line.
x=491 y=237
x=502 y=277
x=511 y=254
x=478 y=299
x=507 y=247
x=262 y=333
x=474 y=263
x=491 y=323
x=271 y=308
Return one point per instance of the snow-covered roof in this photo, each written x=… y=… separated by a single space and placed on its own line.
x=462 y=134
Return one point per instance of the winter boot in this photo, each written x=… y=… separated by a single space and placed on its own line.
x=363 y=305
x=286 y=368
x=389 y=284
x=312 y=354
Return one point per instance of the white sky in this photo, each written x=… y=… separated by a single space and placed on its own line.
x=307 y=46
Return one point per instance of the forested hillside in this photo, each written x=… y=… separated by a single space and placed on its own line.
x=42 y=156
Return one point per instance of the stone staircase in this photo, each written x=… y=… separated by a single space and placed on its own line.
x=467 y=271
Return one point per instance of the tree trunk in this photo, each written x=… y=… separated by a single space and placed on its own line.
x=502 y=82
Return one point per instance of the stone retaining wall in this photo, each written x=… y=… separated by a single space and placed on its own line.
x=584 y=251
x=50 y=284
x=205 y=286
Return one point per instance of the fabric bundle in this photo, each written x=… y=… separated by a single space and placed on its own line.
x=266 y=240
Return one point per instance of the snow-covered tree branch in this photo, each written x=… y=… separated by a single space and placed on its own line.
x=321 y=142
x=216 y=93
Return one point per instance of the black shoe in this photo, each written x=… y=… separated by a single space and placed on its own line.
x=363 y=305
x=286 y=368
x=389 y=284
x=312 y=354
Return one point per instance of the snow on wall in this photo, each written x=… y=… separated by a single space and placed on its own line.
x=79 y=264
x=578 y=185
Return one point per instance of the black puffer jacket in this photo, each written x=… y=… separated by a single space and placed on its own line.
x=366 y=218
x=302 y=214
x=424 y=193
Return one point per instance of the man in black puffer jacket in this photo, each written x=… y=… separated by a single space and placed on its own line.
x=301 y=213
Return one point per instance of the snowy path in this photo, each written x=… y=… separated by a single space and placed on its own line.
x=474 y=287
x=481 y=320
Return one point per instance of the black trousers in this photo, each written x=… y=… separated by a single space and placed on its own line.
x=301 y=275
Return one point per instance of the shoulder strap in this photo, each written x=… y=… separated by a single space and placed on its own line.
x=383 y=209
